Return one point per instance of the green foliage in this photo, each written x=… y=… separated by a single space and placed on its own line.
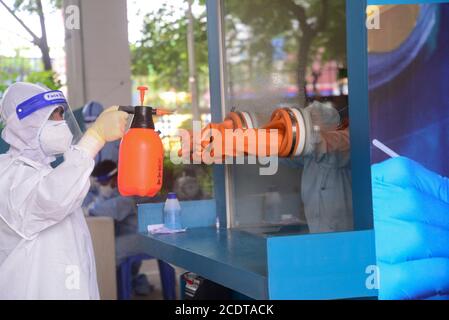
x=30 y=5
x=206 y=181
x=47 y=78
x=6 y=79
x=321 y=20
x=162 y=52
x=12 y=69
x=25 y=5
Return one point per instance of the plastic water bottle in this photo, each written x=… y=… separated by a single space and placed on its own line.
x=172 y=212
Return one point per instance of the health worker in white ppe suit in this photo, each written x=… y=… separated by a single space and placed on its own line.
x=45 y=246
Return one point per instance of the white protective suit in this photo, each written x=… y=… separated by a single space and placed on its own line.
x=45 y=246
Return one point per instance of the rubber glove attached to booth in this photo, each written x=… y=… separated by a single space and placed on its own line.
x=284 y=136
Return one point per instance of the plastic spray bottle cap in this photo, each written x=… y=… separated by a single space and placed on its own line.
x=171 y=195
x=142 y=90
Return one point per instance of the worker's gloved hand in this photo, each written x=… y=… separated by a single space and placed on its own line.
x=213 y=140
x=411 y=222
x=109 y=126
x=193 y=148
x=274 y=138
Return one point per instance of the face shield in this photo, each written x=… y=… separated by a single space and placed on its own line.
x=51 y=100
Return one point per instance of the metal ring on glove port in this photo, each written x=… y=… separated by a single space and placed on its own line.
x=246 y=120
x=294 y=129
x=298 y=149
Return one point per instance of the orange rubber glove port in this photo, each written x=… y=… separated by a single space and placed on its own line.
x=260 y=141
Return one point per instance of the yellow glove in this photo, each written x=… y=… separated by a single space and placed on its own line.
x=109 y=126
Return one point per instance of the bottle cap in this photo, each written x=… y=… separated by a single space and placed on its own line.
x=171 y=195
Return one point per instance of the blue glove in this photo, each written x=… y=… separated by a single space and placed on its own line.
x=411 y=222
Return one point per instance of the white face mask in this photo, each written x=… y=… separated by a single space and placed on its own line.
x=106 y=191
x=56 y=137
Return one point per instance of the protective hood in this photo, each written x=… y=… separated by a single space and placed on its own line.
x=23 y=135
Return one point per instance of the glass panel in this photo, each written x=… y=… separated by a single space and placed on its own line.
x=291 y=53
x=408 y=83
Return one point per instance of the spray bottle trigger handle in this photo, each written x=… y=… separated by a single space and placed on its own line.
x=127 y=109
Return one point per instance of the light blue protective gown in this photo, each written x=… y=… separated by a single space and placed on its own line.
x=124 y=212
x=326 y=183
x=109 y=152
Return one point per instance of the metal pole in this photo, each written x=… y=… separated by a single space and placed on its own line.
x=193 y=78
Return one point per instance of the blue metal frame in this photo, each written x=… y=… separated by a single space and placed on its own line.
x=321 y=266
x=324 y=266
x=213 y=29
x=232 y=258
x=358 y=99
x=357 y=57
x=280 y=272
x=380 y=2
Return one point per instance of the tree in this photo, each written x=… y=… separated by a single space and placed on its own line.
x=307 y=25
x=162 y=52
x=48 y=78
x=35 y=7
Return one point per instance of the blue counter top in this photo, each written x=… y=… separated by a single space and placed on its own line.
x=264 y=263
x=234 y=259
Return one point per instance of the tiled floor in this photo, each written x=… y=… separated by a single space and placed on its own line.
x=150 y=268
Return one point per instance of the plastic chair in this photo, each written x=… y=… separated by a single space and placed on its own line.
x=124 y=275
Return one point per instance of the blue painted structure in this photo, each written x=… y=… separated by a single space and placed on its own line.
x=320 y=266
x=214 y=21
x=381 y=2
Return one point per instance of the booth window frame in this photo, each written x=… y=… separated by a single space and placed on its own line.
x=357 y=61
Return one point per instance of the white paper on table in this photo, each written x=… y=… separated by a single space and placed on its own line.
x=161 y=229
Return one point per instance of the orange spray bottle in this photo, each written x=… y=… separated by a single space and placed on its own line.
x=141 y=155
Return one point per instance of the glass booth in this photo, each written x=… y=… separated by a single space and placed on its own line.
x=280 y=235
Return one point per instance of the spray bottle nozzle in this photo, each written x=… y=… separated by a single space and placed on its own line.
x=162 y=112
x=143 y=115
x=143 y=90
